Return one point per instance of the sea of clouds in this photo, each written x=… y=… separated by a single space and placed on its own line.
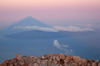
x=55 y=28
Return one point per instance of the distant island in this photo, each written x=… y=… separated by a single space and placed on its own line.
x=50 y=60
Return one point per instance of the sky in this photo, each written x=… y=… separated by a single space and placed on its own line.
x=53 y=12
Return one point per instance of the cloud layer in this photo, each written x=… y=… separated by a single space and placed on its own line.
x=54 y=29
x=35 y=28
x=72 y=29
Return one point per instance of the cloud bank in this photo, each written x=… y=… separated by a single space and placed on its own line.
x=63 y=47
x=72 y=29
x=55 y=28
x=35 y=28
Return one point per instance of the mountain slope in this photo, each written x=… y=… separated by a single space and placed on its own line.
x=29 y=21
x=35 y=34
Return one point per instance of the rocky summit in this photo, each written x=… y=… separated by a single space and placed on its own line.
x=50 y=60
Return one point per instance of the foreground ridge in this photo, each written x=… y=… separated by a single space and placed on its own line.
x=50 y=60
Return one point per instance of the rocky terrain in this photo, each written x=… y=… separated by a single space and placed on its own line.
x=50 y=60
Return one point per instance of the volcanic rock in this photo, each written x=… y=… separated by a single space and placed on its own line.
x=50 y=60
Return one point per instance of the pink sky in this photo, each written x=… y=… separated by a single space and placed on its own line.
x=48 y=10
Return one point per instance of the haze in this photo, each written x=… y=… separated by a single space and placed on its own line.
x=53 y=12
